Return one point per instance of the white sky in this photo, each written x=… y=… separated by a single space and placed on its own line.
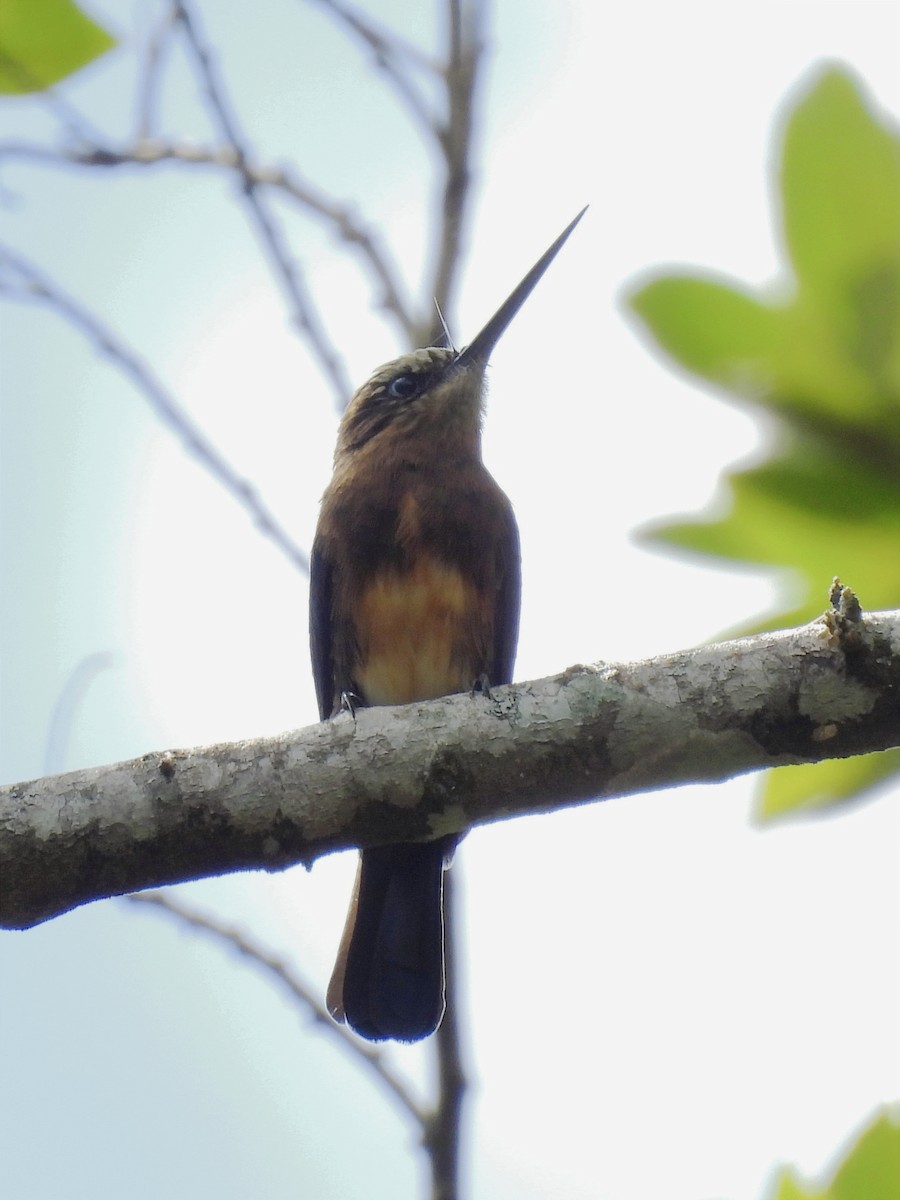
x=663 y=999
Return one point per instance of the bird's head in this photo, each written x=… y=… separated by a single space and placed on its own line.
x=436 y=393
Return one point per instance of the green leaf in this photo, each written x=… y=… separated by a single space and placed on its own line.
x=820 y=354
x=789 y=790
x=43 y=41
x=870 y=1170
x=788 y=1187
x=794 y=512
x=713 y=329
x=840 y=179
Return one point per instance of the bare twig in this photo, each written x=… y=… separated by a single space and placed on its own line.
x=33 y=285
x=391 y=53
x=443 y=1134
x=378 y=39
x=451 y=133
x=153 y=151
x=67 y=705
x=301 y=991
x=157 y=45
x=464 y=35
x=303 y=310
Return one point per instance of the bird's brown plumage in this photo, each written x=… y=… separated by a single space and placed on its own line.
x=414 y=594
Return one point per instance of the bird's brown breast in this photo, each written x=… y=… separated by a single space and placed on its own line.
x=423 y=571
x=418 y=631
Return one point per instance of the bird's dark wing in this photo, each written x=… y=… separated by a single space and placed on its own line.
x=320 y=631
x=506 y=621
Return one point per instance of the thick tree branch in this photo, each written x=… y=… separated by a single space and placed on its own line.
x=827 y=690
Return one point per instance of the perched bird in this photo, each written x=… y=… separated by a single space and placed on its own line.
x=414 y=594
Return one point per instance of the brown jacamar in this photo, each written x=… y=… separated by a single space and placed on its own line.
x=414 y=594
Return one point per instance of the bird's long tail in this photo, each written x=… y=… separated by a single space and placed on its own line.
x=388 y=981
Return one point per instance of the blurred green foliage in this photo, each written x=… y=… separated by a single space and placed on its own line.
x=869 y=1171
x=43 y=41
x=819 y=354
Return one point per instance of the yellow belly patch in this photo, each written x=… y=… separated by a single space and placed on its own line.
x=416 y=634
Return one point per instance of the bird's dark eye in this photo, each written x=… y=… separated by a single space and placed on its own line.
x=403 y=387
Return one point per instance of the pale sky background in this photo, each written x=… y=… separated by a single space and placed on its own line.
x=663 y=999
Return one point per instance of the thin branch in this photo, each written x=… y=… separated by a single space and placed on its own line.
x=158 y=44
x=302 y=992
x=303 y=310
x=443 y=1135
x=152 y=151
x=802 y=695
x=389 y=52
x=34 y=286
x=378 y=38
x=462 y=75
x=67 y=706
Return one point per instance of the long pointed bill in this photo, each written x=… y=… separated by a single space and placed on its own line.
x=479 y=350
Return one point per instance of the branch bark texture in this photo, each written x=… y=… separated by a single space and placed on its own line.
x=830 y=689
